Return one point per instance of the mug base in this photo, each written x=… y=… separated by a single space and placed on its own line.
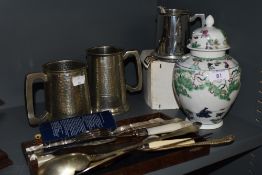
x=114 y=111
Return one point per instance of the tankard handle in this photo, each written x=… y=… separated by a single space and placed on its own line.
x=138 y=86
x=201 y=16
x=30 y=78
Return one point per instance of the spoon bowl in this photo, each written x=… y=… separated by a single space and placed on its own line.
x=66 y=164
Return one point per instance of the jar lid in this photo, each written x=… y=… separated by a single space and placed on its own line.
x=208 y=38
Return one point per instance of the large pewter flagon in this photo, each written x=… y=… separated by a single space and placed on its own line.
x=107 y=79
x=173 y=32
x=66 y=91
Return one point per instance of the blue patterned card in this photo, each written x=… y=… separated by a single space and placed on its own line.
x=66 y=128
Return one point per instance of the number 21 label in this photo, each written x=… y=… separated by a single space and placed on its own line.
x=218 y=75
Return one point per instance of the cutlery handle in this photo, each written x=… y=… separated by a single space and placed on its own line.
x=145 y=124
x=168 y=127
x=218 y=141
x=100 y=162
x=212 y=142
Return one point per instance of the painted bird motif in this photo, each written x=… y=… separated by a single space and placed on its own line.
x=204 y=113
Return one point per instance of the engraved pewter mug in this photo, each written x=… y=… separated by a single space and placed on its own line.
x=66 y=91
x=173 y=32
x=107 y=80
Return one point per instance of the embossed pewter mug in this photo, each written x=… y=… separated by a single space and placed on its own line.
x=107 y=79
x=66 y=91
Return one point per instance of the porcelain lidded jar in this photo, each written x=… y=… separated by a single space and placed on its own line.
x=206 y=81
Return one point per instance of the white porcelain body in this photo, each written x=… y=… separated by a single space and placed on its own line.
x=206 y=87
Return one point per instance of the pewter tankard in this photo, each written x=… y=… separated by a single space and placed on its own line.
x=107 y=80
x=66 y=91
x=173 y=32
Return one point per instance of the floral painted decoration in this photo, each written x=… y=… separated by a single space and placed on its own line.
x=208 y=37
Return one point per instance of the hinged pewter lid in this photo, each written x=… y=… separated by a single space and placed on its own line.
x=208 y=39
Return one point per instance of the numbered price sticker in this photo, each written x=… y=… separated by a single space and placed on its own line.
x=78 y=80
x=218 y=75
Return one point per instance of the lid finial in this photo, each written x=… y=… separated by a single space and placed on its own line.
x=210 y=21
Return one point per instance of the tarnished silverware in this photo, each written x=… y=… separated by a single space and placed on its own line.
x=186 y=130
x=100 y=162
x=69 y=164
x=170 y=126
x=145 y=124
x=194 y=128
x=211 y=142
x=101 y=133
x=145 y=128
x=176 y=141
x=62 y=162
x=101 y=136
x=67 y=143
